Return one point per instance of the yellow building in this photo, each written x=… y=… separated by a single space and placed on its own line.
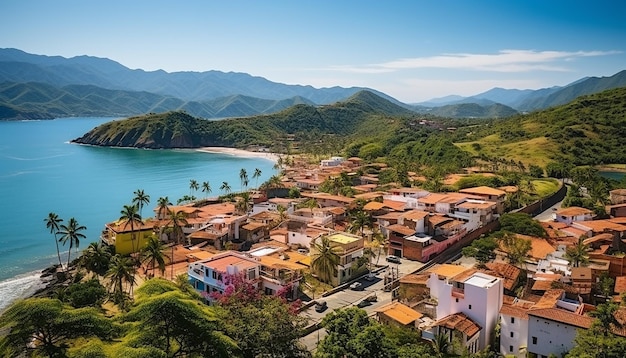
x=349 y=248
x=120 y=235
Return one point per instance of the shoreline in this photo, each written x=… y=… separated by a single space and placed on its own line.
x=239 y=153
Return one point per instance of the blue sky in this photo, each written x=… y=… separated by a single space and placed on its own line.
x=411 y=50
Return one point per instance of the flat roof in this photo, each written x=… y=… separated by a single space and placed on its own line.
x=418 y=238
x=343 y=238
x=481 y=280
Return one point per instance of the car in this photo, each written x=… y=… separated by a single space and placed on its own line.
x=394 y=259
x=321 y=306
x=370 y=276
x=356 y=286
x=364 y=303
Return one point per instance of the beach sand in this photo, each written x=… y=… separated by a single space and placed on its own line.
x=240 y=153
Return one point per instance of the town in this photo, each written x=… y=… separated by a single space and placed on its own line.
x=330 y=235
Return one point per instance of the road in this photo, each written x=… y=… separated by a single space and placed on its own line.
x=348 y=297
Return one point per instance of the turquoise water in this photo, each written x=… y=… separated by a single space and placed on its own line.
x=41 y=172
x=613 y=175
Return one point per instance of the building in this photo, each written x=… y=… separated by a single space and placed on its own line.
x=398 y=314
x=571 y=214
x=552 y=331
x=349 y=248
x=127 y=239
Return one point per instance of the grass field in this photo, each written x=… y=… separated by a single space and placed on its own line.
x=545 y=187
x=535 y=151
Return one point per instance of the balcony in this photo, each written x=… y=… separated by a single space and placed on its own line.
x=458 y=292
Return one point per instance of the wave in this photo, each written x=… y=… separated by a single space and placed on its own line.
x=21 y=286
x=35 y=159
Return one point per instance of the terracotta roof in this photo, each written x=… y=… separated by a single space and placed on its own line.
x=509 y=273
x=459 y=322
x=417 y=279
x=600 y=237
x=220 y=264
x=447 y=270
x=620 y=284
x=253 y=226
x=415 y=214
x=542 y=285
x=599 y=226
x=540 y=247
x=278 y=263
x=395 y=205
x=438 y=219
x=514 y=311
x=432 y=198
x=549 y=298
x=574 y=211
x=581 y=273
x=392 y=215
x=404 y=230
x=476 y=205
x=400 y=313
x=483 y=190
x=562 y=316
x=373 y=205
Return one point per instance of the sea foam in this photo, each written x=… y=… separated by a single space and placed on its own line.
x=21 y=286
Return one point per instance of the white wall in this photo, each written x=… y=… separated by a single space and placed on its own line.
x=519 y=328
x=552 y=337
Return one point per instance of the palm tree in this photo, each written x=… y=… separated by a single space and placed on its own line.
x=96 y=258
x=153 y=253
x=324 y=259
x=206 y=187
x=52 y=223
x=243 y=202
x=162 y=205
x=140 y=200
x=121 y=270
x=282 y=212
x=359 y=222
x=225 y=187
x=193 y=186
x=130 y=215
x=256 y=175
x=243 y=176
x=72 y=233
x=178 y=219
x=579 y=253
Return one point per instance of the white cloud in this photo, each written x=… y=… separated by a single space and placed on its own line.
x=503 y=61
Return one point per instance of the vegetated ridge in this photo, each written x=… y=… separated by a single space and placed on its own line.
x=590 y=130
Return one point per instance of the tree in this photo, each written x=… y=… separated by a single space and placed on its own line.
x=482 y=249
x=359 y=221
x=324 y=259
x=243 y=202
x=72 y=233
x=45 y=325
x=243 y=176
x=162 y=206
x=140 y=199
x=578 y=254
x=599 y=341
x=605 y=315
x=121 y=270
x=256 y=176
x=193 y=187
x=342 y=326
x=178 y=220
x=176 y=324
x=96 y=258
x=88 y=293
x=206 y=188
x=521 y=223
x=225 y=187
x=153 y=253
x=516 y=248
x=52 y=223
x=130 y=216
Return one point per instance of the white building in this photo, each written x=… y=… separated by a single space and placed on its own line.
x=552 y=331
x=475 y=294
x=332 y=162
x=571 y=214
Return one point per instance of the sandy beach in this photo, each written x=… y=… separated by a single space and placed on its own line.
x=240 y=153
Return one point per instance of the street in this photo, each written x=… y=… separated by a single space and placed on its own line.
x=347 y=297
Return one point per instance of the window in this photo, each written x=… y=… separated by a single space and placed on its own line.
x=534 y=340
x=512 y=319
x=510 y=348
x=511 y=334
x=470 y=306
x=251 y=274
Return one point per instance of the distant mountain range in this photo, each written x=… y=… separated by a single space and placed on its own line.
x=40 y=87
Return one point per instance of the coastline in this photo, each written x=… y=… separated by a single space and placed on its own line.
x=239 y=153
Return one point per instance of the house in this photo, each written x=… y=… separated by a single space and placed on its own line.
x=475 y=213
x=489 y=194
x=297 y=233
x=211 y=275
x=332 y=162
x=618 y=196
x=552 y=330
x=461 y=328
x=571 y=214
x=127 y=239
x=514 y=327
x=349 y=248
x=398 y=314
x=475 y=294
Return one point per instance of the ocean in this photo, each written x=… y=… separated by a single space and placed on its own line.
x=41 y=172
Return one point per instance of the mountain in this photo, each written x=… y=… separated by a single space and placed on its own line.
x=589 y=130
x=180 y=130
x=21 y=67
x=43 y=101
x=473 y=110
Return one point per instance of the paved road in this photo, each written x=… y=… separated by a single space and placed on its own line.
x=348 y=297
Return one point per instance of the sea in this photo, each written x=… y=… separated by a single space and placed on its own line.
x=42 y=172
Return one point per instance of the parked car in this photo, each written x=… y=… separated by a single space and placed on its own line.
x=364 y=303
x=394 y=259
x=321 y=306
x=356 y=286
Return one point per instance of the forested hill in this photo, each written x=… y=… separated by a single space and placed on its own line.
x=180 y=130
x=590 y=130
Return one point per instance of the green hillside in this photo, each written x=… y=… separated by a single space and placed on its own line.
x=590 y=130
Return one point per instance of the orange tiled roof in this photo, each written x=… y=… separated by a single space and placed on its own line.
x=514 y=311
x=574 y=211
x=459 y=322
x=400 y=313
x=509 y=273
x=540 y=247
x=404 y=230
x=417 y=279
x=483 y=190
x=601 y=225
x=620 y=284
x=562 y=316
x=415 y=214
x=447 y=270
x=549 y=298
x=438 y=219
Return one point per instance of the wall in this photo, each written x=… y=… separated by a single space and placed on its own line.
x=520 y=335
x=552 y=337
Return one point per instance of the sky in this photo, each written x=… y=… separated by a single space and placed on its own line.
x=411 y=50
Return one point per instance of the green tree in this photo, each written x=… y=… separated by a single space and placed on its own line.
x=178 y=220
x=130 y=216
x=324 y=259
x=162 y=207
x=578 y=254
x=206 y=188
x=256 y=176
x=153 y=253
x=52 y=223
x=121 y=270
x=176 y=324
x=359 y=221
x=482 y=249
x=140 y=199
x=342 y=327
x=72 y=233
x=521 y=223
x=516 y=248
x=88 y=293
x=243 y=176
x=193 y=187
x=225 y=188
x=96 y=258
x=45 y=326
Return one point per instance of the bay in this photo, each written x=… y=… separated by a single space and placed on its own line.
x=41 y=172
